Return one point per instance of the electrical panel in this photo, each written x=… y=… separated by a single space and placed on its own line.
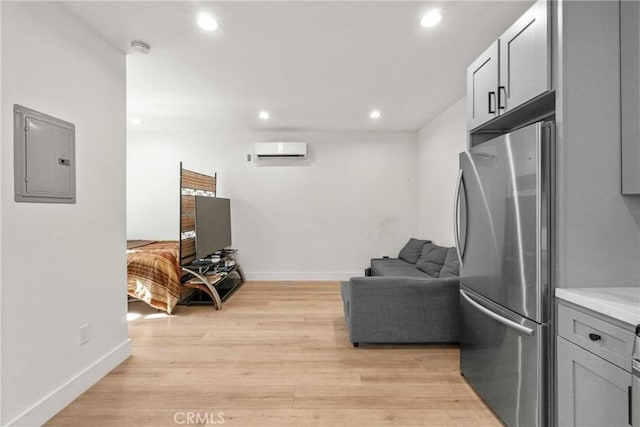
x=44 y=158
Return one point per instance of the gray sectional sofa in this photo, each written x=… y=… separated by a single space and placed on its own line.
x=409 y=299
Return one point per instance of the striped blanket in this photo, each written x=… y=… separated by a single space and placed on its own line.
x=153 y=274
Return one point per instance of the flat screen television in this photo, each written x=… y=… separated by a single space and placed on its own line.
x=213 y=225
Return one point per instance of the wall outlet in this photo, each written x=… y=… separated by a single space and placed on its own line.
x=85 y=334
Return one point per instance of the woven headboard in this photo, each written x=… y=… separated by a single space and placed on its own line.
x=191 y=184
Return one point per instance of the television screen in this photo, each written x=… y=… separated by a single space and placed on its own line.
x=213 y=225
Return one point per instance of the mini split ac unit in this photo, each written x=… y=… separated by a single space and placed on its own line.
x=270 y=150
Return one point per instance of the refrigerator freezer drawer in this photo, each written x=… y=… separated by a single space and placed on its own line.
x=502 y=357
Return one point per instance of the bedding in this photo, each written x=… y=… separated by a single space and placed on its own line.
x=153 y=273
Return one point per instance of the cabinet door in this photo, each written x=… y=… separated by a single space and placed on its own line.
x=482 y=84
x=591 y=391
x=630 y=93
x=524 y=59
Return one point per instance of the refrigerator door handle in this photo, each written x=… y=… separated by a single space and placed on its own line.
x=507 y=322
x=456 y=217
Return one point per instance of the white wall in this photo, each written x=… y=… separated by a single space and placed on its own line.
x=63 y=265
x=322 y=218
x=439 y=143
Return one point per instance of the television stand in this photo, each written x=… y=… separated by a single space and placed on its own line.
x=218 y=283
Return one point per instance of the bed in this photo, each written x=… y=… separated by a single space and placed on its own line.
x=154 y=274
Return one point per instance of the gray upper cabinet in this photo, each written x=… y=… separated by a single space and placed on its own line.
x=515 y=68
x=524 y=59
x=482 y=84
x=630 y=95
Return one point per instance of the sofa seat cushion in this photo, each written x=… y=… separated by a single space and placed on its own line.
x=395 y=267
x=432 y=259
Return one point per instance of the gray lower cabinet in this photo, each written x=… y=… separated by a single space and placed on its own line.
x=591 y=391
x=593 y=368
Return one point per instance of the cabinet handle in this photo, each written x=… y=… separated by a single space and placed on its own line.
x=501 y=90
x=594 y=337
x=492 y=109
x=630 y=403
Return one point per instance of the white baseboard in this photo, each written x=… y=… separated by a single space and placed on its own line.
x=301 y=276
x=46 y=408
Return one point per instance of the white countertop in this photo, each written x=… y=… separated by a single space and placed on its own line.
x=619 y=303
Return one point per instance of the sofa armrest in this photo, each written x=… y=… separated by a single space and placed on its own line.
x=402 y=309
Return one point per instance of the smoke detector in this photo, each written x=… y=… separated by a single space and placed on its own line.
x=140 y=47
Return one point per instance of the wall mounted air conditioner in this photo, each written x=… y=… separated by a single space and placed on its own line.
x=279 y=150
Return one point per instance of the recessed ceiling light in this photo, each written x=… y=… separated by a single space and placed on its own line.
x=136 y=121
x=207 y=22
x=264 y=115
x=431 y=18
x=375 y=114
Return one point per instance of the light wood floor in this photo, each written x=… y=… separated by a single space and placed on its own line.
x=278 y=354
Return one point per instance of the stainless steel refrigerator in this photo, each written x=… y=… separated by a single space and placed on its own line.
x=503 y=235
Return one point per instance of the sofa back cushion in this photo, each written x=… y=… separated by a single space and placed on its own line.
x=412 y=250
x=451 y=267
x=432 y=259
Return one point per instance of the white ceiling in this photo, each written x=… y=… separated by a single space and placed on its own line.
x=313 y=65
